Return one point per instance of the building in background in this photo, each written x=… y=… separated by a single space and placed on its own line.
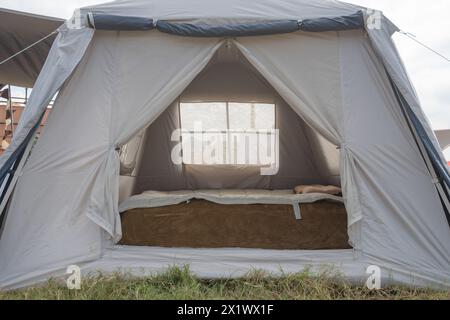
x=12 y=104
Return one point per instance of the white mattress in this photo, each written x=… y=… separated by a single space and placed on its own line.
x=154 y=199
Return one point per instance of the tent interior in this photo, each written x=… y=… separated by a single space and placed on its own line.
x=228 y=201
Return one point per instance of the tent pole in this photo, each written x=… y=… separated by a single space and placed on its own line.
x=10 y=107
x=229 y=135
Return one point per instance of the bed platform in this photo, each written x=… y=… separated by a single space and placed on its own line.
x=255 y=219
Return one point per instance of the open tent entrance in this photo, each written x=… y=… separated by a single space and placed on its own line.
x=219 y=166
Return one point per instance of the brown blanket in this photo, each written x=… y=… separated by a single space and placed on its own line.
x=203 y=224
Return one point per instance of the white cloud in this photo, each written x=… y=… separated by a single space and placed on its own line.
x=428 y=20
x=55 y=8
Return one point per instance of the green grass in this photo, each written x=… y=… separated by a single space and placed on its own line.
x=180 y=284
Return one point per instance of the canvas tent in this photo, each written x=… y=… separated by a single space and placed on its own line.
x=19 y=30
x=443 y=137
x=333 y=63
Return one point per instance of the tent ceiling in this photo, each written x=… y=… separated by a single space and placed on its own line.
x=17 y=31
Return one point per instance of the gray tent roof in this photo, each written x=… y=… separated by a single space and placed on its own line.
x=17 y=31
x=443 y=138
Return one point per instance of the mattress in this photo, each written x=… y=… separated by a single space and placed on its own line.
x=235 y=219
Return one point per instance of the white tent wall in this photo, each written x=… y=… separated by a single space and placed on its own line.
x=64 y=209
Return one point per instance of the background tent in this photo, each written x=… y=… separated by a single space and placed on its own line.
x=444 y=138
x=337 y=69
x=19 y=30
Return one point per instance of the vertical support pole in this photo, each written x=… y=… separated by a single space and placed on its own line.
x=228 y=135
x=10 y=108
x=253 y=117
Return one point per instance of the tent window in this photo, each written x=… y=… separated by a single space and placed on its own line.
x=228 y=133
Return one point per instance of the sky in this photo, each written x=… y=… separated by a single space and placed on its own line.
x=427 y=20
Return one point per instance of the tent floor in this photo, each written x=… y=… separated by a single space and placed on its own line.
x=203 y=224
x=225 y=263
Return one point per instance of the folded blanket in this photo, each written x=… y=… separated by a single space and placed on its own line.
x=333 y=190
